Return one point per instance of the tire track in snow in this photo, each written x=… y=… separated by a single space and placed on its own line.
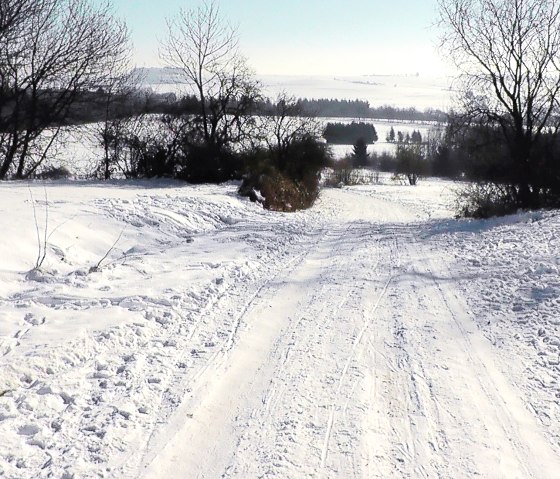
x=204 y=378
x=285 y=417
x=255 y=326
x=494 y=386
x=323 y=299
x=350 y=358
x=445 y=424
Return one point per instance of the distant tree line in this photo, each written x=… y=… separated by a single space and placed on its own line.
x=350 y=133
x=400 y=137
x=91 y=106
x=317 y=108
x=362 y=109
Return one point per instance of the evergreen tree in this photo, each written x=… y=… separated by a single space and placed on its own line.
x=374 y=136
x=360 y=155
x=416 y=137
x=391 y=136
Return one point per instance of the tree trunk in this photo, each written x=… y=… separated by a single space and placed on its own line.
x=522 y=161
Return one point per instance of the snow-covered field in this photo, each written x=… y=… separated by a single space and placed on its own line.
x=372 y=336
x=397 y=90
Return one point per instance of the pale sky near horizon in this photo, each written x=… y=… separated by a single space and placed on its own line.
x=309 y=37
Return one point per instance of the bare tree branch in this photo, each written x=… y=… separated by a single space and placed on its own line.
x=508 y=52
x=55 y=52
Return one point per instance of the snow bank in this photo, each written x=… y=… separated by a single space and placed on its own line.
x=511 y=268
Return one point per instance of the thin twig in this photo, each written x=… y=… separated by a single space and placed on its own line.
x=46 y=227
x=97 y=267
x=36 y=228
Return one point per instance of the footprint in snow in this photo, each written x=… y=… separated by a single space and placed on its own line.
x=28 y=430
x=31 y=319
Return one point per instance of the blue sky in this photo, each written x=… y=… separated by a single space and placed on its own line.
x=321 y=37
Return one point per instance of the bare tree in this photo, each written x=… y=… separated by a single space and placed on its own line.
x=121 y=101
x=204 y=48
x=509 y=54
x=12 y=14
x=61 y=51
x=13 y=17
x=411 y=161
x=285 y=125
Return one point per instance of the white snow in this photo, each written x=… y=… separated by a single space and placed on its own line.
x=371 y=336
x=402 y=91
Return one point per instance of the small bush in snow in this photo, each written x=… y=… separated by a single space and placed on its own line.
x=288 y=181
x=484 y=200
x=54 y=173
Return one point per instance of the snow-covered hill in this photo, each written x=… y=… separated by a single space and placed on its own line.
x=372 y=336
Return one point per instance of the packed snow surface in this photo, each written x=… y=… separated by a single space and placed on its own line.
x=183 y=332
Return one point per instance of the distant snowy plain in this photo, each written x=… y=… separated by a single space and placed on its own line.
x=402 y=91
x=371 y=336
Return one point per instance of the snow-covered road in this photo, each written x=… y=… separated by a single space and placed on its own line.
x=341 y=342
x=360 y=360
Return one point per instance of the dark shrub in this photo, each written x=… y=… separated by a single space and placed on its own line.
x=446 y=162
x=387 y=162
x=348 y=134
x=54 y=173
x=305 y=159
x=485 y=200
x=278 y=192
x=360 y=156
x=289 y=182
x=156 y=161
x=201 y=165
x=411 y=162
